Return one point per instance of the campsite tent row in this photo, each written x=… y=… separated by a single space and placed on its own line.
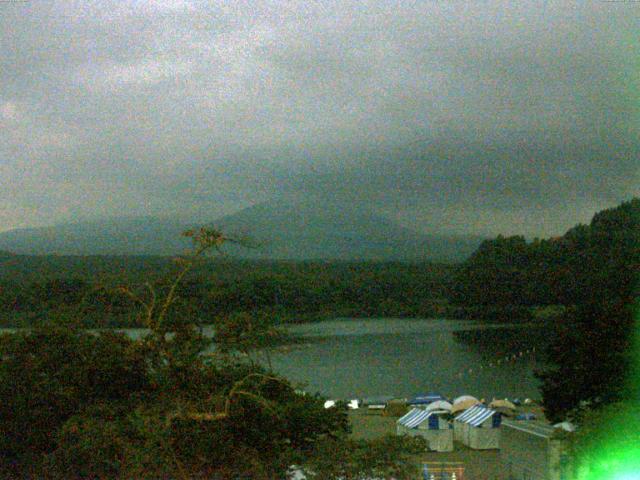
x=478 y=428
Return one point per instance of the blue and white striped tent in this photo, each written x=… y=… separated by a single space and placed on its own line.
x=478 y=428
x=477 y=415
x=415 y=417
x=430 y=425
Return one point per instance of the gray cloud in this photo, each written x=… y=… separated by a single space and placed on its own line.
x=463 y=116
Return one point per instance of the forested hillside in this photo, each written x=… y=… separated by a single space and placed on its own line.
x=38 y=290
x=509 y=272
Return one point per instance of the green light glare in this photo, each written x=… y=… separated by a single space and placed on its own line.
x=611 y=447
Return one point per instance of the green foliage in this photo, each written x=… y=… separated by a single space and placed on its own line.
x=568 y=270
x=588 y=277
x=590 y=359
x=249 y=333
x=494 y=275
x=47 y=376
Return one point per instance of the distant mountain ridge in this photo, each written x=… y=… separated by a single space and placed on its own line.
x=284 y=231
x=110 y=236
x=326 y=232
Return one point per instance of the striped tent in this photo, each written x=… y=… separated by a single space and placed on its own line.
x=476 y=415
x=430 y=425
x=414 y=418
x=478 y=428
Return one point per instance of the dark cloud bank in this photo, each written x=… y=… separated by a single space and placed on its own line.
x=467 y=117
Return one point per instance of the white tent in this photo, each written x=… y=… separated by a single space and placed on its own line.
x=478 y=428
x=430 y=425
x=566 y=426
x=439 y=406
x=463 y=398
x=463 y=402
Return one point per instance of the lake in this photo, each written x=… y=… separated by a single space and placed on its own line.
x=353 y=358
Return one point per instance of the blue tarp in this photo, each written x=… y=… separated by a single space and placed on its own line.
x=526 y=416
x=425 y=399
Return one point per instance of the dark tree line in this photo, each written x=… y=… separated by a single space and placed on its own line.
x=591 y=272
x=510 y=271
x=292 y=292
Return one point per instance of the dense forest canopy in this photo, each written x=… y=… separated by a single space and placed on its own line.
x=32 y=289
x=592 y=272
x=566 y=270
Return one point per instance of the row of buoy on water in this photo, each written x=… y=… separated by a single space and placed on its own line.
x=354 y=404
x=498 y=362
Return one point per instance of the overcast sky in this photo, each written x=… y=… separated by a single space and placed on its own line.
x=455 y=116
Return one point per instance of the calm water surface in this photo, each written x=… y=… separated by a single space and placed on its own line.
x=351 y=358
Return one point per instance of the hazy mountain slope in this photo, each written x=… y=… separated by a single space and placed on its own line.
x=317 y=232
x=113 y=236
x=284 y=232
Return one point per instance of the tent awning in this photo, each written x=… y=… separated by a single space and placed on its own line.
x=414 y=418
x=502 y=404
x=464 y=398
x=475 y=415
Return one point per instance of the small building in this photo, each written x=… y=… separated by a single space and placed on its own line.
x=478 y=428
x=533 y=450
x=432 y=426
x=376 y=403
